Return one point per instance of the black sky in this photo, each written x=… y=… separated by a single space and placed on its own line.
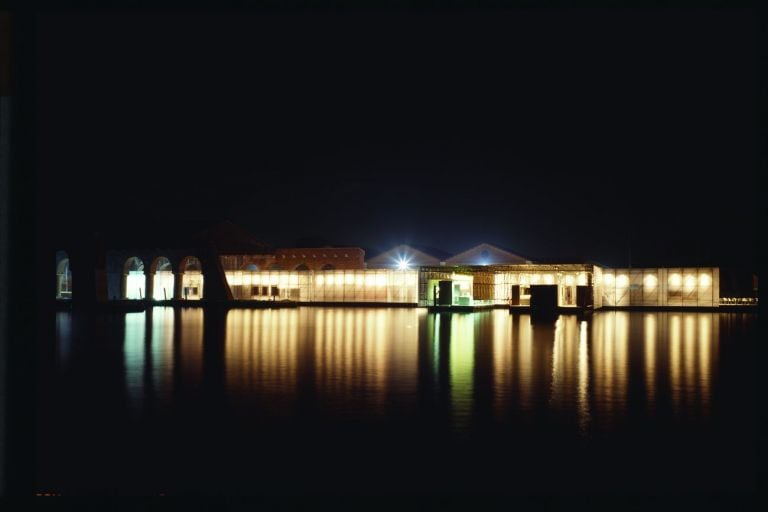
x=561 y=132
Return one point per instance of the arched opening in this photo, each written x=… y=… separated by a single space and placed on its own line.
x=162 y=282
x=134 y=279
x=303 y=266
x=191 y=278
x=328 y=266
x=63 y=276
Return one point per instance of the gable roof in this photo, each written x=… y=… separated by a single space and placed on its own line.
x=495 y=254
x=418 y=255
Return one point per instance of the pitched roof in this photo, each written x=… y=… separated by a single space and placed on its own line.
x=426 y=254
x=495 y=254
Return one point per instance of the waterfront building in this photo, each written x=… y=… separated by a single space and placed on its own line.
x=227 y=264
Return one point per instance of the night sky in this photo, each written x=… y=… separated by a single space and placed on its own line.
x=561 y=133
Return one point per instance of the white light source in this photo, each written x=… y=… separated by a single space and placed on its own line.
x=608 y=279
x=675 y=281
x=569 y=280
x=705 y=280
x=402 y=263
x=690 y=283
x=650 y=281
x=622 y=281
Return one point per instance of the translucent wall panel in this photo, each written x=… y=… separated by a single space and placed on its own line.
x=135 y=285
x=386 y=285
x=677 y=286
x=192 y=285
x=163 y=285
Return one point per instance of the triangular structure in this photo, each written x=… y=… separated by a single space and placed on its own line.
x=486 y=254
x=403 y=256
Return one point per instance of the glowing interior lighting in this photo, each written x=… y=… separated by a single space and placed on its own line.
x=622 y=281
x=608 y=279
x=675 y=281
x=690 y=283
x=582 y=279
x=569 y=280
x=549 y=279
x=320 y=280
x=705 y=280
x=381 y=280
x=650 y=281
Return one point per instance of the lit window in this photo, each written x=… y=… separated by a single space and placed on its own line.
x=622 y=281
x=650 y=281
x=705 y=280
x=608 y=279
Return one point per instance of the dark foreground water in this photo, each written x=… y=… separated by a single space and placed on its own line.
x=384 y=401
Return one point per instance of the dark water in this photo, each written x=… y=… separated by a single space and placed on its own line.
x=389 y=401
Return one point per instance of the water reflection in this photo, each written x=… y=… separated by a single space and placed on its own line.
x=692 y=352
x=133 y=357
x=462 y=365
x=161 y=351
x=63 y=337
x=364 y=362
x=189 y=352
x=261 y=354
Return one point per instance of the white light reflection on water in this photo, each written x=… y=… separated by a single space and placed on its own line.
x=133 y=357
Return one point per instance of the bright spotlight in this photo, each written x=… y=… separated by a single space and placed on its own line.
x=402 y=264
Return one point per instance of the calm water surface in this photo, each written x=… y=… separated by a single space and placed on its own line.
x=366 y=400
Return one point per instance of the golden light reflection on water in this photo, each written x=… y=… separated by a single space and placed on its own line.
x=609 y=364
x=693 y=352
x=260 y=355
x=365 y=361
x=570 y=370
x=674 y=359
x=649 y=341
x=584 y=415
x=191 y=346
x=357 y=360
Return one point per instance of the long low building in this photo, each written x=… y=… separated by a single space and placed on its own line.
x=482 y=276
x=574 y=285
